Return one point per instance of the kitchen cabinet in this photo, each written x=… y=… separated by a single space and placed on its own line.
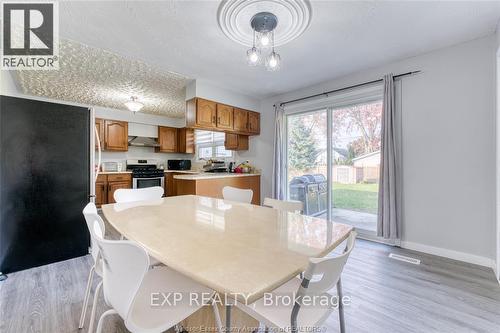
x=167 y=138
x=236 y=142
x=99 y=136
x=212 y=186
x=224 y=116
x=253 y=122
x=113 y=186
x=107 y=184
x=213 y=116
x=185 y=142
x=115 y=135
x=175 y=140
x=201 y=113
x=240 y=120
x=100 y=190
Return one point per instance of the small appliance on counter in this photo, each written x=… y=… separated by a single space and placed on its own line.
x=215 y=166
x=110 y=167
x=179 y=164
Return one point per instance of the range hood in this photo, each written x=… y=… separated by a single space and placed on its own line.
x=142 y=141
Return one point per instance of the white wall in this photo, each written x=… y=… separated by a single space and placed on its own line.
x=8 y=87
x=209 y=90
x=448 y=148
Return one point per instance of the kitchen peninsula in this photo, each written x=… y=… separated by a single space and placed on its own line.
x=211 y=184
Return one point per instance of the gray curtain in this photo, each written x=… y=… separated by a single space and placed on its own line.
x=389 y=198
x=278 y=180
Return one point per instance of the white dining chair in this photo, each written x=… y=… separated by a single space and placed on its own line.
x=237 y=194
x=91 y=216
x=321 y=275
x=129 y=288
x=138 y=194
x=285 y=205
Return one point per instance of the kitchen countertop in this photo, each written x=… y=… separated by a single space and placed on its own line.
x=113 y=172
x=207 y=175
x=184 y=171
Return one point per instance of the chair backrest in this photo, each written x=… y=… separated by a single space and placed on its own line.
x=237 y=194
x=125 y=264
x=328 y=268
x=91 y=215
x=286 y=205
x=138 y=194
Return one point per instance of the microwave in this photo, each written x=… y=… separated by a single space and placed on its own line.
x=179 y=164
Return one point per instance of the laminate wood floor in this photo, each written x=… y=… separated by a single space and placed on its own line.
x=439 y=295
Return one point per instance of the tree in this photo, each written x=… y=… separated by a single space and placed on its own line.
x=303 y=152
x=366 y=119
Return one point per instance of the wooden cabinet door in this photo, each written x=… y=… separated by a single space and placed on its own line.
x=116 y=135
x=236 y=142
x=240 y=120
x=100 y=193
x=185 y=140
x=113 y=186
x=167 y=138
x=99 y=136
x=224 y=116
x=206 y=112
x=254 y=122
x=231 y=141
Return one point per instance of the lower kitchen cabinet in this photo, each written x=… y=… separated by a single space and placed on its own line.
x=107 y=184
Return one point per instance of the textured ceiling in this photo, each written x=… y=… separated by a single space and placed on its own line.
x=343 y=37
x=93 y=76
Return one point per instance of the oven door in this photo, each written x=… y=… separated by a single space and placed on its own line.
x=147 y=182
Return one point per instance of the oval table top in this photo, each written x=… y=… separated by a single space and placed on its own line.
x=238 y=249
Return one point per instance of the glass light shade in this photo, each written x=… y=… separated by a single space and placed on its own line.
x=273 y=61
x=134 y=105
x=253 y=56
x=264 y=39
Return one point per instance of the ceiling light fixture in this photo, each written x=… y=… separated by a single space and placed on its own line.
x=133 y=105
x=263 y=25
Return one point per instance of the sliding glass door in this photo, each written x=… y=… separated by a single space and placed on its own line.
x=333 y=162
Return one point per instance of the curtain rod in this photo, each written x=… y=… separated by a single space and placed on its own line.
x=326 y=93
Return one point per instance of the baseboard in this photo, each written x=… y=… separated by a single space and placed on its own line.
x=451 y=254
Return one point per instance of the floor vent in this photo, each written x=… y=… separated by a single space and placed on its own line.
x=404 y=258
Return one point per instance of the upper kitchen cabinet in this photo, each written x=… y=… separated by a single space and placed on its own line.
x=99 y=136
x=213 y=116
x=240 y=120
x=253 y=122
x=185 y=140
x=236 y=142
x=167 y=138
x=224 y=116
x=201 y=113
x=115 y=135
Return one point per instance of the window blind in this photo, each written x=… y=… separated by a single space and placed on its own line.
x=208 y=138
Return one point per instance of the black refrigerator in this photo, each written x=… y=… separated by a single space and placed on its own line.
x=44 y=182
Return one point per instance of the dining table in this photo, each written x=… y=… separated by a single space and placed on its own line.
x=236 y=249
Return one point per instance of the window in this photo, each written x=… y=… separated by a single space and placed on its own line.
x=211 y=145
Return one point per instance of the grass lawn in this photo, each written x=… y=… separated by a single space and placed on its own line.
x=357 y=197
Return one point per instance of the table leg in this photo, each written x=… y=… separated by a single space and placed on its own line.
x=228 y=317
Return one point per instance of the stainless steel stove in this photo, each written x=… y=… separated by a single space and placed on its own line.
x=145 y=173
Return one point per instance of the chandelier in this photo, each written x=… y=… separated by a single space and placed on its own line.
x=263 y=25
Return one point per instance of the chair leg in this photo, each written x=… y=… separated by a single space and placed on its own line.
x=94 y=306
x=218 y=322
x=101 y=320
x=341 y=307
x=86 y=299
